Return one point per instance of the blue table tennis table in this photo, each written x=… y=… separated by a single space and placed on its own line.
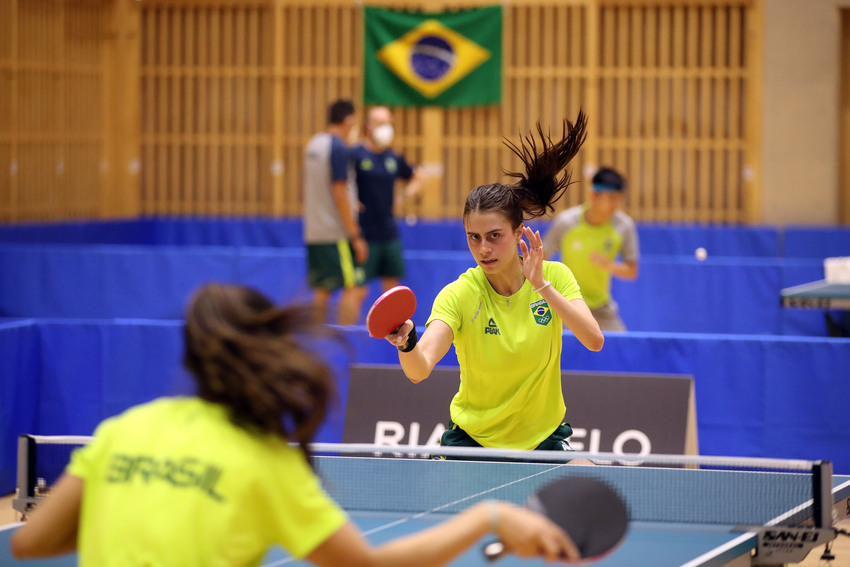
x=822 y=295
x=385 y=497
x=817 y=295
x=680 y=516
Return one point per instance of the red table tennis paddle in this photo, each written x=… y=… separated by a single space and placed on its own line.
x=390 y=311
x=588 y=509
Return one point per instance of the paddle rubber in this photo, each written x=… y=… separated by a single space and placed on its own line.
x=588 y=509
x=390 y=311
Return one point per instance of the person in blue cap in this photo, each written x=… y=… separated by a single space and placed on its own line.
x=598 y=240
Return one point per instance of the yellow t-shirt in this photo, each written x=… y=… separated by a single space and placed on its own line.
x=575 y=251
x=576 y=239
x=509 y=350
x=174 y=482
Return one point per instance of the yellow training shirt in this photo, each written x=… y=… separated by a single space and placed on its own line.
x=509 y=350
x=174 y=482
x=576 y=240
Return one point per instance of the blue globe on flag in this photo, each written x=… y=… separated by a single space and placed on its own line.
x=432 y=57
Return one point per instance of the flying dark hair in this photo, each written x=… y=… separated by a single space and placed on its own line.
x=539 y=186
x=246 y=354
x=339 y=110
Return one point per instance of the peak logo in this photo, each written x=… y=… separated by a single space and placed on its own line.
x=492 y=328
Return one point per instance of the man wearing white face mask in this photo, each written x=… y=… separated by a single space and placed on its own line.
x=377 y=168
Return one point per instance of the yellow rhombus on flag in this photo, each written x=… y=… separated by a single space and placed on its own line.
x=463 y=58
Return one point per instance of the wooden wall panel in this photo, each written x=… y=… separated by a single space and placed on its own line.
x=228 y=92
x=50 y=125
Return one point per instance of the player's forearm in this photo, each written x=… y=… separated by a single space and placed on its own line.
x=437 y=545
x=624 y=270
x=414 y=185
x=577 y=317
x=344 y=208
x=416 y=364
x=52 y=527
x=430 y=349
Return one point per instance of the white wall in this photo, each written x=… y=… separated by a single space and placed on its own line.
x=800 y=111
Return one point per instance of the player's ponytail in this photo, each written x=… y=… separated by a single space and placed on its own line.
x=539 y=186
x=246 y=354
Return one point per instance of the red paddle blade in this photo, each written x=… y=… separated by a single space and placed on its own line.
x=390 y=311
x=588 y=509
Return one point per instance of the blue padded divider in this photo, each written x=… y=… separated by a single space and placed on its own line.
x=19 y=374
x=51 y=281
x=718 y=295
x=154 y=282
x=816 y=242
x=94 y=369
x=279 y=273
x=445 y=234
x=427 y=234
x=717 y=240
x=139 y=231
x=672 y=293
x=755 y=395
x=433 y=235
x=253 y=232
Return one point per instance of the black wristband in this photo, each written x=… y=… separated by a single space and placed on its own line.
x=411 y=341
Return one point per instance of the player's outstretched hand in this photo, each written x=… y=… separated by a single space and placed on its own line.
x=399 y=338
x=532 y=257
x=528 y=534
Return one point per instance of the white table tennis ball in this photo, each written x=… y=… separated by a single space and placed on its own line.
x=701 y=253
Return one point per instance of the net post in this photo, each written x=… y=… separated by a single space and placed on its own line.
x=822 y=494
x=26 y=481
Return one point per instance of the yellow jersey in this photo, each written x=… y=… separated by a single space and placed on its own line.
x=576 y=240
x=509 y=350
x=175 y=482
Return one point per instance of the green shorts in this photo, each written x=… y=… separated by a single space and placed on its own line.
x=385 y=260
x=331 y=266
x=454 y=436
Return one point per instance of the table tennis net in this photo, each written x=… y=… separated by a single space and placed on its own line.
x=410 y=481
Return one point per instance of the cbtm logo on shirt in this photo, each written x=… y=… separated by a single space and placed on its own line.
x=540 y=310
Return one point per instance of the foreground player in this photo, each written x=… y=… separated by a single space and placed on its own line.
x=213 y=480
x=505 y=316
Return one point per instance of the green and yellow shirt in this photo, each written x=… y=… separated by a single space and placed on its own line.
x=575 y=239
x=175 y=482
x=509 y=350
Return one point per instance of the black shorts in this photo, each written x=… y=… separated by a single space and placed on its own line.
x=385 y=260
x=454 y=436
x=332 y=266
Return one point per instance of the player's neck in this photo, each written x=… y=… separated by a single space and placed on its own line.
x=337 y=131
x=371 y=146
x=508 y=281
x=592 y=216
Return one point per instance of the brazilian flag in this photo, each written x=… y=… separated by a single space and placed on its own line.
x=432 y=59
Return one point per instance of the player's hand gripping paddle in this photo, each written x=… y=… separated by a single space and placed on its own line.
x=390 y=311
x=590 y=511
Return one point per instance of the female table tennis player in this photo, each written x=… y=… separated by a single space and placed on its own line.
x=505 y=316
x=213 y=480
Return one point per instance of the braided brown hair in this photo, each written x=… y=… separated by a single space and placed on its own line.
x=539 y=186
x=246 y=354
